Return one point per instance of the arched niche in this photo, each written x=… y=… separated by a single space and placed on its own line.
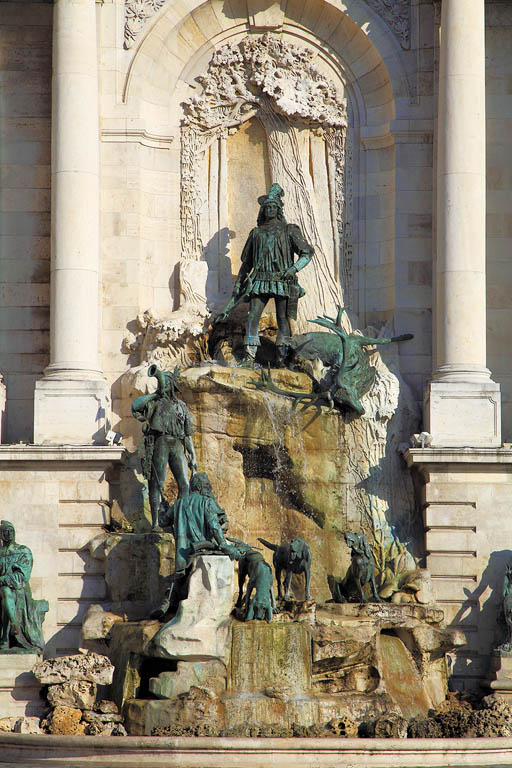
x=359 y=57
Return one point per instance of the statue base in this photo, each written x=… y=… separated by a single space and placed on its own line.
x=200 y=629
x=501 y=675
x=18 y=681
x=355 y=662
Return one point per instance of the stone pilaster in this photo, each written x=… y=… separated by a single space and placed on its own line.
x=71 y=401
x=463 y=403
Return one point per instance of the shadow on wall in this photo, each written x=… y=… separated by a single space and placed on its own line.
x=482 y=614
x=216 y=255
x=77 y=600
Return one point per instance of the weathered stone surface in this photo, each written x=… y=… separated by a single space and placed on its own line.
x=8 y=723
x=201 y=674
x=304 y=709
x=137 y=567
x=27 y=725
x=64 y=721
x=128 y=646
x=105 y=729
x=89 y=716
x=276 y=654
x=133 y=636
x=346 y=651
x=343 y=726
x=106 y=707
x=390 y=726
x=90 y=666
x=457 y=719
x=96 y=627
x=74 y=693
x=194 y=710
x=200 y=629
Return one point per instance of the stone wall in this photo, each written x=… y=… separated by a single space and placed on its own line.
x=58 y=499
x=468 y=544
x=25 y=40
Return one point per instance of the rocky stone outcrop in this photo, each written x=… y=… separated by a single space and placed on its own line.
x=210 y=675
x=282 y=472
x=91 y=667
x=137 y=568
x=74 y=693
x=200 y=629
x=64 y=721
x=458 y=719
x=72 y=688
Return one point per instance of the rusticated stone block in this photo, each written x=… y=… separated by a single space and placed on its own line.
x=276 y=654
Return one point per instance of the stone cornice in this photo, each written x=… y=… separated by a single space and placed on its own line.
x=98 y=455
x=427 y=458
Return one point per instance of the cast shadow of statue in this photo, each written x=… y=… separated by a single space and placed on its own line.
x=219 y=281
x=476 y=615
x=67 y=638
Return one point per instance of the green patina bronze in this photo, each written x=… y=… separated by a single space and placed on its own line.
x=21 y=616
x=167 y=439
x=198 y=525
x=350 y=373
x=269 y=271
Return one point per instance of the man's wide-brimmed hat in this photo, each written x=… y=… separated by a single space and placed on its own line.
x=275 y=195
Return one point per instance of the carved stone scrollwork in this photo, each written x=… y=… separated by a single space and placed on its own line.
x=136 y=14
x=397 y=15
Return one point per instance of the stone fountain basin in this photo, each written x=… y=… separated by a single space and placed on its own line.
x=206 y=752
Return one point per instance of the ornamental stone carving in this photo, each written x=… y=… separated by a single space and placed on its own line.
x=136 y=13
x=279 y=83
x=396 y=14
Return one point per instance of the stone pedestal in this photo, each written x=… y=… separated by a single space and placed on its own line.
x=200 y=629
x=19 y=689
x=68 y=412
x=463 y=414
x=501 y=671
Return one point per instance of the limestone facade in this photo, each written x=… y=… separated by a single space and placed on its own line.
x=411 y=200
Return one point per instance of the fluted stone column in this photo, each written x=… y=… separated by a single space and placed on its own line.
x=71 y=401
x=463 y=404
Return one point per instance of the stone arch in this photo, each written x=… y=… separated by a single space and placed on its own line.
x=355 y=47
x=182 y=37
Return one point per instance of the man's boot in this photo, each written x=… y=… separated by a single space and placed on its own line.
x=283 y=347
x=251 y=344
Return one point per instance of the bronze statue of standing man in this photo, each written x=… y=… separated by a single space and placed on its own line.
x=167 y=439
x=269 y=271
